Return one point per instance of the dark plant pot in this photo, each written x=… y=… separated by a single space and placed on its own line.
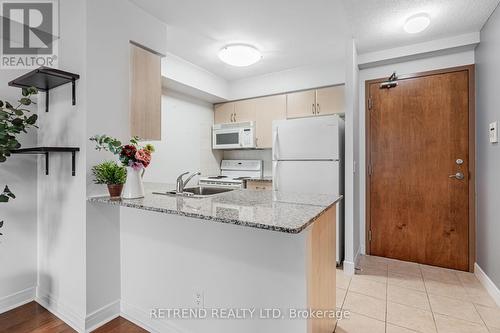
x=115 y=191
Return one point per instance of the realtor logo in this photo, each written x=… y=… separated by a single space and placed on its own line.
x=29 y=33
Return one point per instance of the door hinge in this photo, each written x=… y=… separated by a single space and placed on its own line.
x=370 y=169
x=370 y=103
x=370 y=235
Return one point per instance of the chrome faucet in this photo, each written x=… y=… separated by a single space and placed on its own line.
x=181 y=184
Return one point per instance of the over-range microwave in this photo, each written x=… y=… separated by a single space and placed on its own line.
x=234 y=136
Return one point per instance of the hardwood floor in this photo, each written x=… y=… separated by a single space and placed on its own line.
x=34 y=318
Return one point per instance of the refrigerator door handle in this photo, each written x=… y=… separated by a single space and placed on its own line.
x=275 y=179
x=275 y=144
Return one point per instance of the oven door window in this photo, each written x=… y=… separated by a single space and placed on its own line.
x=227 y=138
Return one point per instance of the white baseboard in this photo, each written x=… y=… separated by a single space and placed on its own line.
x=60 y=310
x=491 y=288
x=17 y=299
x=142 y=319
x=102 y=316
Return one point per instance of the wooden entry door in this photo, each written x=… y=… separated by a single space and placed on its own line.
x=417 y=149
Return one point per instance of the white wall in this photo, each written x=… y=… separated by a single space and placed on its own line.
x=186 y=143
x=351 y=201
x=168 y=258
x=111 y=25
x=289 y=80
x=439 y=62
x=488 y=155
x=18 y=244
x=61 y=197
x=190 y=75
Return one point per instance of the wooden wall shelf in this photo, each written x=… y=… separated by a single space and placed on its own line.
x=44 y=79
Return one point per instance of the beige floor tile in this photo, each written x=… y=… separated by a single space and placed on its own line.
x=410 y=317
x=406 y=281
x=365 y=305
x=340 y=297
x=479 y=295
x=446 y=289
x=494 y=330
x=373 y=273
x=405 y=268
x=439 y=274
x=368 y=287
x=360 y=324
x=491 y=316
x=372 y=261
x=468 y=278
x=454 y=308
x=397 y=329
x=452 y=325
x=343 y=280
x=409 y=297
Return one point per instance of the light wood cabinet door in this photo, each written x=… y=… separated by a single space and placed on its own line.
x=268 y=109
x=244 y=110
x=301 y=104
x=224 y=113
x=145 y=93
x=259 y=185
x=330 y=100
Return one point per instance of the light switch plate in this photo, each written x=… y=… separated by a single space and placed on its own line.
x=494 y=132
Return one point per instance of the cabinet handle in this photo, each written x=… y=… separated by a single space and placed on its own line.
x=234 y=117
x=314 y=108
x=318 y=109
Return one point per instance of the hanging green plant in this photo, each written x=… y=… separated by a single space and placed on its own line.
x=13 y=122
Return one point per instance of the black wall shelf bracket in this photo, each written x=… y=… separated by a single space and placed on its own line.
x=47 y=150
x=46 y=78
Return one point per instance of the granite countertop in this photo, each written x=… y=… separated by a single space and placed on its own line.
x=270 y=210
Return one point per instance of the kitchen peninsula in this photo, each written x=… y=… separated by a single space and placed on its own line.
x=241 y=249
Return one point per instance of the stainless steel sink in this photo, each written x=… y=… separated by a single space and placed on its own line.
x=197 y=191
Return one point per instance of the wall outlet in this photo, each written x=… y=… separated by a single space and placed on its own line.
x=199 y=298
x=493 y=132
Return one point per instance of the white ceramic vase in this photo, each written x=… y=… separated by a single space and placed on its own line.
x=134 y=189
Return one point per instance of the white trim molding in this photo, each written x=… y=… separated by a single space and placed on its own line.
x=491 y=288
x=142 y=318
x=102 y=316
x=60 y=310
x=17 y=299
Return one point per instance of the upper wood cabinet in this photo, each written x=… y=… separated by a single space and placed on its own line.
x=268 y=109
x=224 y=113
x=323 y=101
x=330 y=100
x=301 y=104
x=264 y=110
x=145 y=93
x=245 y=110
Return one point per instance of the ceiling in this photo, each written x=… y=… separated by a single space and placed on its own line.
x=289 y=33
x=378 y=24
x=295 y=33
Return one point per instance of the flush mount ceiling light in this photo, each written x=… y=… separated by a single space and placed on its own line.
x=239 y=55
x=417 y=23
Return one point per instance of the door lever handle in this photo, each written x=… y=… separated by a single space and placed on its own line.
x=458 y=176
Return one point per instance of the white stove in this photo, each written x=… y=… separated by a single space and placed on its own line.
x=234 y=173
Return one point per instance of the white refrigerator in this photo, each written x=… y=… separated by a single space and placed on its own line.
x=308 y=157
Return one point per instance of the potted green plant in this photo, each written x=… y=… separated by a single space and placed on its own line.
x=111 y=174
x=13 y=122
x=135 y=157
